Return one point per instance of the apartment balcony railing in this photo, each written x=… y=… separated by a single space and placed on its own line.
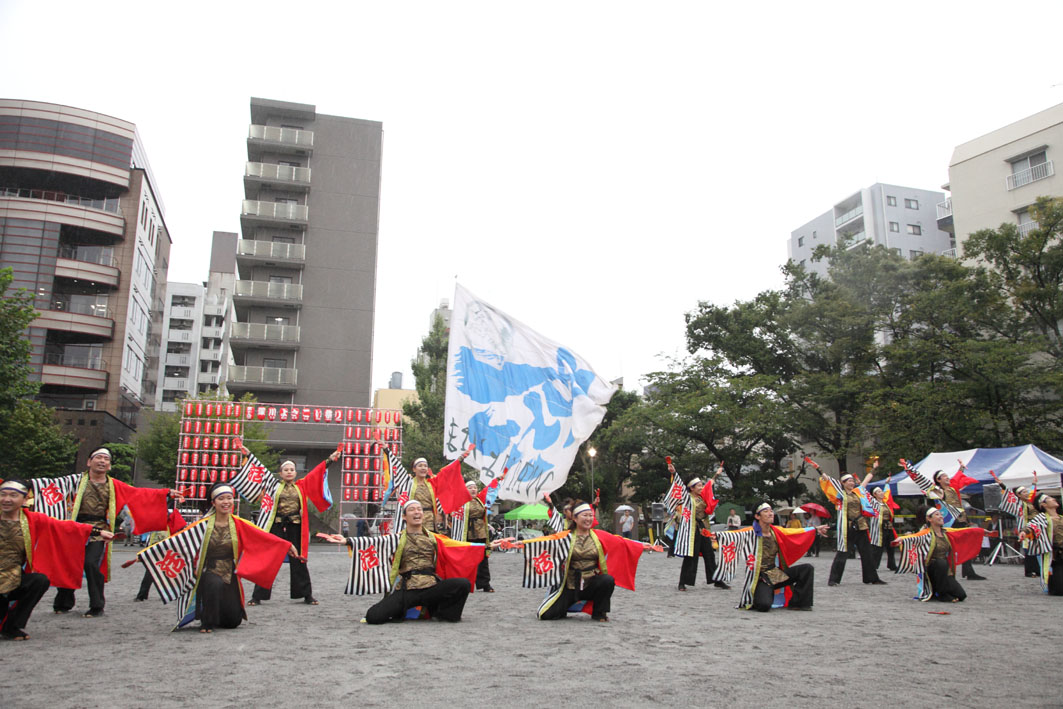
x=100 y=255
x=278 y=173
x=271 y=291
x=181 y=313
x=210 y=355
x=263 y=376
x=261 y=332
x=852 y=214
x=1033 y=174
x=945 y=209
x=270 y=250
x=75 y=304
x=179 y=336
x=106 y=205
x=81 y=361
x=1026 y=227
x=950 y=253
x=279 y=211
x=291 y=137
x=178 y=360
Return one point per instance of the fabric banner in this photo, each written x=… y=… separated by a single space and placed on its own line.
x=524 y=401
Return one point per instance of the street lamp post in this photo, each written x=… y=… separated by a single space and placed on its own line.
x=592 y=453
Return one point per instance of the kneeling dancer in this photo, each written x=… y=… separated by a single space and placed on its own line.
x=35 y=551
x=202 y=565
x=581 y=565
x=768 y=552
x=415 y=568
x=933 y=553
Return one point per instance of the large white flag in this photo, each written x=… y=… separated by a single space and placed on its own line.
x=524 y=401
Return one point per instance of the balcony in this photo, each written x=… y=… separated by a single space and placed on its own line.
x=949 y=253
x=250 y=251
x=262 y=378
x=245 y=334
x=101 y=215
x=285 y=176
x=255 y=213
x=1033 y=174
x=70 y=314
x=945 y=222
x=77 y=371
x=215 y=333
x=280 y=140
x=210 y=355
x=1026 y=227
x=175 y=383
x=857 y=211
x=173 y=335
x=263 y=293
x=177 y=360
x=182 y=313
x=104 y=205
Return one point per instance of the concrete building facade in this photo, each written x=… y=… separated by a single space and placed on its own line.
x=903 y=219
x=305 y=294
x=83 y=227
x=994 y=179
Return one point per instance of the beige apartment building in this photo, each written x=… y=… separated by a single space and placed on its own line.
x=995 y=179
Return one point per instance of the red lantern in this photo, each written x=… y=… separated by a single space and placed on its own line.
x=348 y=432
x=337 y=415
x=236 y=430
x=186 y=426
x=197 y=427
x=397 y=418
x=347 y=463
x=209 y=410
x=376 y=463
x=184 y=458
x=203 y=491
x=236 y=410
x=271 y=413
x=225 y=444
x=189 y=408
x=182 y=474
x=249 y=413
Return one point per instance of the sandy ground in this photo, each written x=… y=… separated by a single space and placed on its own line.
x=861 y=646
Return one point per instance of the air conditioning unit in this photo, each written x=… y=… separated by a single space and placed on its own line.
x=89 y=404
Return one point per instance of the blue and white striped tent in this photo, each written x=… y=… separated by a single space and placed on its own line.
x=1014 y=466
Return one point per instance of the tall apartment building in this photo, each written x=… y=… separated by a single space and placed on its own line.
x=306 y=263
x=195 y=330
x=903 y=219
x=995 y=178
x=82 y=226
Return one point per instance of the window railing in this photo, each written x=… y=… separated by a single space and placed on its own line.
x=1033 y=174
x=945 y=208
x=1026 y=227
x=239 y=374
x=287 y=136
x=263 y=289
x=270 y=249
x=950 y=253
x=283 y=173
x=101 y=255
x=275 y=210
x=106 y=205
x=82 y=305
x=849 y=216
x=262 y=331
x=82 y=361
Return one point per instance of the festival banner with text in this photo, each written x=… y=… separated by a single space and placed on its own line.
x=524 y=401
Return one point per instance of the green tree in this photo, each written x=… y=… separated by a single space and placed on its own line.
x=16 y=313
x=159 y=443
x=423 y=430
x=35 y=445
x=1029 y=268
x=123 y=458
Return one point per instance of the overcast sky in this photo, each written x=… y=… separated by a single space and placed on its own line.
x=592 y=168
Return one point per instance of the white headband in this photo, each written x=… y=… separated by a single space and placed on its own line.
x=848 y=476
x=98 y=451
x=582 y=508
x=693 y=482
x=16 y=486
x=761 y=507
x=420 y=460
x=221 y=490
x=412 y=502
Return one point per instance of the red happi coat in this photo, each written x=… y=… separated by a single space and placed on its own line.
x=56 y=548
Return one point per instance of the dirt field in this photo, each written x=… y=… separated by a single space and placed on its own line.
x=862 y=646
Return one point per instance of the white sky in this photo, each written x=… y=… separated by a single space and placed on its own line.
x=592 y=168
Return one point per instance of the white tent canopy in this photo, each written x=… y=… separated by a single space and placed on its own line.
x=1014 y=466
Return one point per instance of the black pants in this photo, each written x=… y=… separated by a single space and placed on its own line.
x=483 y=571
x=597 y=589
x=1055 y=581
x=300 y=573
x=688 y=574
x=218 y=603
x=888 y=537
x=64 y=597
x=800 y=582
x=945 y=586
x=145 y=586
x=445 y=600
x=1030 y=566
x=858 y=539
x=26 y=596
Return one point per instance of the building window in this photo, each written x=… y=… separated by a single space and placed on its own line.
x=915 y=229
x=911 y=204
x=800 y=241
x=813 y=233
x=802 y=263
x=277 y=363
x=891 y=201
x=894 y=226
x=280 y=279
x=913 y=254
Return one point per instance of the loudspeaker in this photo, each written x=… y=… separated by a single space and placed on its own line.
x=991 y=496
x=658 y=512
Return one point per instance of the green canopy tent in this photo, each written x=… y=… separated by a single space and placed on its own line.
x=535 y=510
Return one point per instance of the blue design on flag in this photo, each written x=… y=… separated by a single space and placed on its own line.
x=524 y=401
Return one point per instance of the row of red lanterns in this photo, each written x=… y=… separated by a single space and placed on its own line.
x=304 y=414
x=362 y=494
x=208 y=443
x=361 y=479
x=203 y=475
x=216 y=427
x=357 y=433
x=223 y=460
